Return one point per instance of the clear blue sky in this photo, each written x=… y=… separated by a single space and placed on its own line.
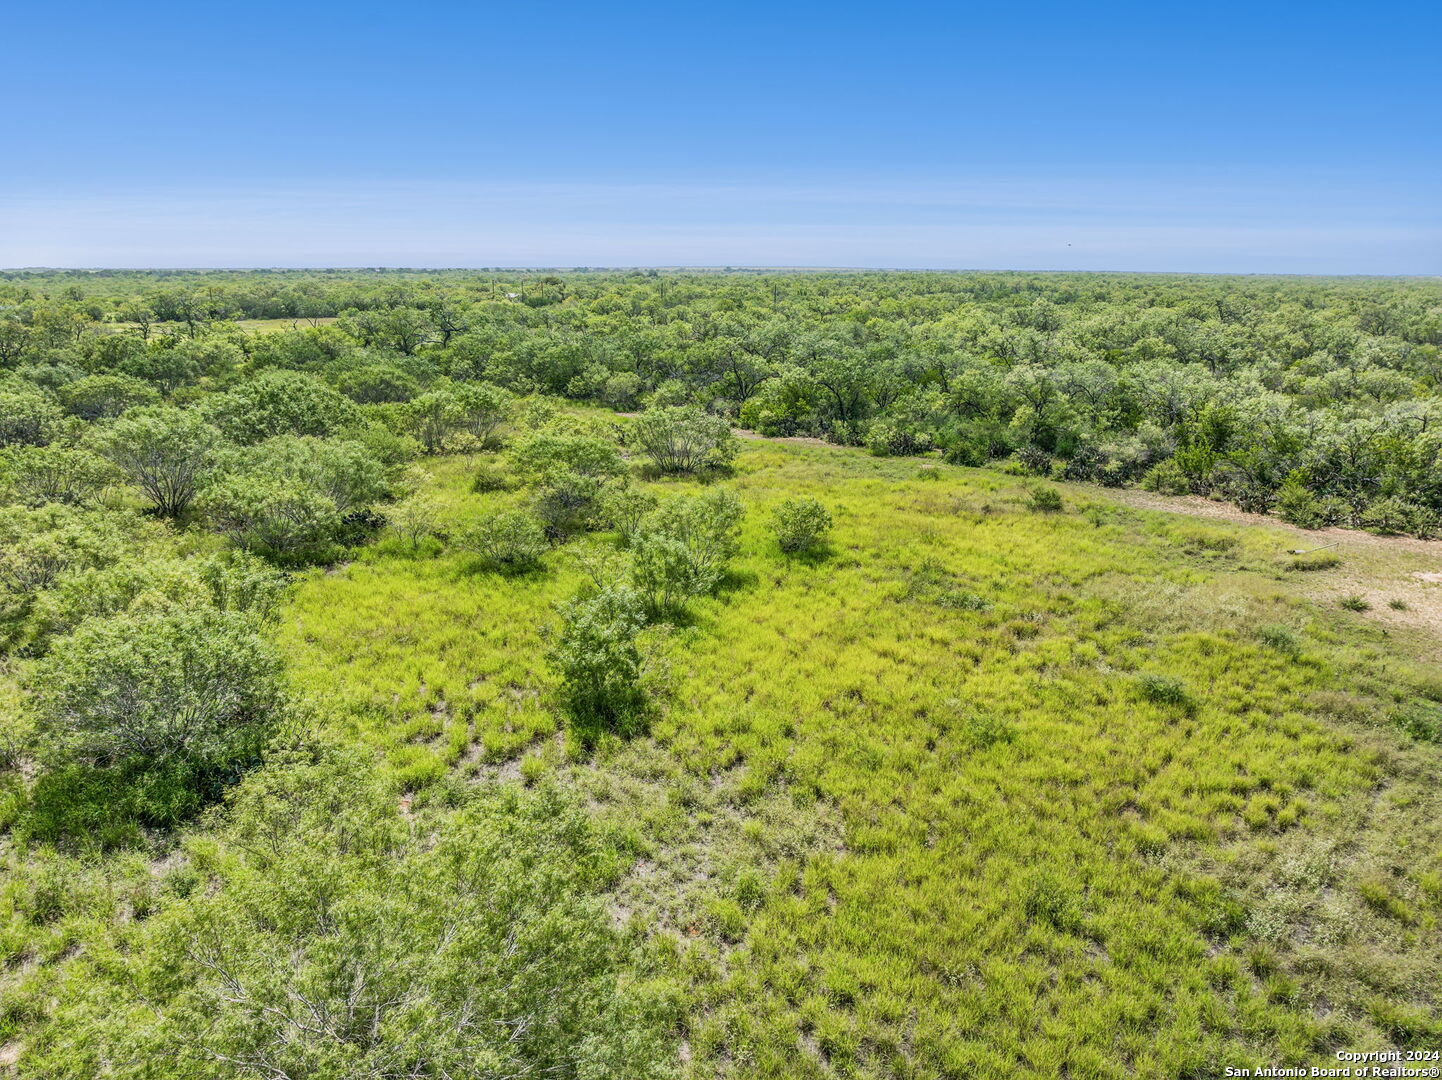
x=1256 y=137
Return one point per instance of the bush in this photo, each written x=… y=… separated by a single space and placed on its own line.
x=1392 y=516
x=570 y=471
x=684 y=438
x=279 y=402
x=885 y=439
x=1044 y=500
x=28 y=418
x=295 y=497
x=1355 y=602
x=157 y=684
x=335 y=939
x=61 y=474
x=623 y=508
x=415 y=518
x=1167 y=478
x=682 y=547
x=511 y=541
x=1164 y=690
x=104 y=397
x=164 y=451
x=800 y=524
x=1034 y=461
x=596 y=655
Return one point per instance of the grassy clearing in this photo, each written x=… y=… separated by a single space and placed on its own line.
x=980 y=790
x=918 y=808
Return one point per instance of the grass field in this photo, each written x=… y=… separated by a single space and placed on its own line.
x=981 y=791
x=984 y=792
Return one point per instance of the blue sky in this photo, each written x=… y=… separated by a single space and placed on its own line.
x=1281 y=137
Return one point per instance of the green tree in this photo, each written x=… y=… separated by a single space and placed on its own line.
x=156 y=684
x=164 y=451
x=683 y=438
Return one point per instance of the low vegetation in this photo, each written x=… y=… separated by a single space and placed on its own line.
x=368 y=709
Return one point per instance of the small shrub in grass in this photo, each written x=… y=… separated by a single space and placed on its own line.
x=1164 y=690
x=1398 y=605
x=682 y=548
x=511 y=541
x=1044 y=500
x=1282 y=638
x=596 y=654
x=491 y=476
x=1355 y=602
x=800 y=525
x=623 y=508
x=983 y=730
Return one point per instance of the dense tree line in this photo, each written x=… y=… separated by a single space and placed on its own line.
x=1317 y=398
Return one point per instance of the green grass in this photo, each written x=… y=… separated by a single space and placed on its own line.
x=988 y=790
x=1053 y=831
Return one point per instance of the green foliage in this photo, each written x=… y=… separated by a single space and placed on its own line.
x=61 y=474
x=684 y=439
x=338 y=941
x=511 y=541
x=800 y=524
x=28 y=417
x=569 y=472
x=682 y=547
x=104 y=397
x=1044 y=500
x=623 y=507
x=596 y=655
x=293 y=497
x=165 y=452
x=155 y=685
x=281 y=403
x=1353 y=602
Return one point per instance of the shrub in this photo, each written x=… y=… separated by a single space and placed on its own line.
x=491 y=476
x=1282 y=638
x=104 y=397
x=279 y=402
x=891 y=440
x=157 y=684
x=1391 y=516
x=483 y=408
x=1355 y=602
x=596 y=655
x=800 y=524
x=623 y=508
x=295 y=497
x=1309 y=561
x=511 y=541
x=1167 y=478
x=374 y=383
x=62 y=474
x=164 y=451
x=40 y=547
x=415 y=518
x=682 y=547
x=335 y=939
x=28 y=417
x=570 y=471
x=1044 y=500
x=1034 y=461
x=684 y=438
x=1163 y=690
